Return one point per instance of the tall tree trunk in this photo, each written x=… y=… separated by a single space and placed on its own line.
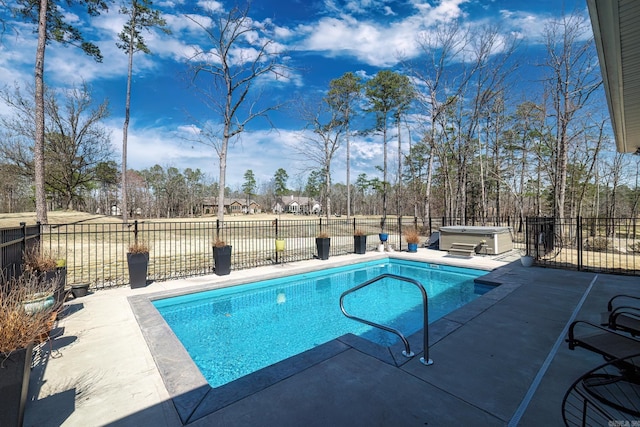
x=384 y=175
x=399 y=184
x=125 y=128
x=348 y=174
x=38 y=155
x=223 y=173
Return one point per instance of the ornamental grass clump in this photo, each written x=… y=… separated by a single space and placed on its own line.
x=358 y=232
x=218 y=243
x=323 y=235
x=139 y=247
x=412 y=236
x=37 y=260
x=20 y=327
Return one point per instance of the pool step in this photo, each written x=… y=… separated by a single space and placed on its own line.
x=463 y=249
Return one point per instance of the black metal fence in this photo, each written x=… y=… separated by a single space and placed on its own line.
x=14 y=243
x=96 y=253
x=608 y=245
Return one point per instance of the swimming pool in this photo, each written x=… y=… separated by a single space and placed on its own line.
x=234 y=331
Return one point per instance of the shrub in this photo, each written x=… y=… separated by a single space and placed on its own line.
x=323 y=235
x=358 y=232
x=597 y=244
x=20 y=327
x=36 y=259
x=635 y=247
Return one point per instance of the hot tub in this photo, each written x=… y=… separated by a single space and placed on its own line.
x=488 y=240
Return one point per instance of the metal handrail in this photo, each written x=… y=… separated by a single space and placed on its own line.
x=407 y=350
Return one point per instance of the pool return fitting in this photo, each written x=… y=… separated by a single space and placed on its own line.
x=425 y=308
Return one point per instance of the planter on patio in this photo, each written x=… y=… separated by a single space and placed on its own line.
x=80 y=290
x=15 y=370
x=526 y=260
x=138 y=263
x=323 y=245
x=222 y=260
x=360 y=244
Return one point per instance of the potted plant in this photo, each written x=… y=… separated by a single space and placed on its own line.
x=359 y=241
x=138 y=262
x=221 y=258
x=413 y=238
x=21 y=328
x=323 y=244
x=46 y=268
x=383 y=235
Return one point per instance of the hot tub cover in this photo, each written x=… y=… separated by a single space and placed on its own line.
x=475 y=229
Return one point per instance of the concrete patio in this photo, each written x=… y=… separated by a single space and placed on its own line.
x=500 y=360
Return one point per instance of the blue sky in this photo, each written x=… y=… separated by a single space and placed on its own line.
x=323 y=38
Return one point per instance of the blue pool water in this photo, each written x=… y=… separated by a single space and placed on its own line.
x=234 y=331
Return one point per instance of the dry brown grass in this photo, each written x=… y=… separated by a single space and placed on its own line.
x=139 y=247
x=36 y=259
x=18 y=328
x=218 y=243
x=411 y=236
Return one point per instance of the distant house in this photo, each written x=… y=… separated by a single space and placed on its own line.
x=231 y=206
x=297 y=205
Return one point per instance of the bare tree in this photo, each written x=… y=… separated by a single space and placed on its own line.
x=436 y=90
x=242 y=52
x=327 y=125
x=572 y=78
x=75 y=141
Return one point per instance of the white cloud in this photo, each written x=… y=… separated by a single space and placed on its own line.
x=377 y=43
x=210 y=6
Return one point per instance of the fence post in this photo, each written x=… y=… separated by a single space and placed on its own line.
x=275 y=222
x=526 y=236
x=23 y=231
x=135 y=231
x=399 y=232
x=579 y=241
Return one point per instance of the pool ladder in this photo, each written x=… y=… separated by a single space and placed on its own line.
x=425 y=306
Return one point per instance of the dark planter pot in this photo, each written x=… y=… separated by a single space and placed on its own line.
x=359 y=244
x=322 y=245
x=413 y=247
x=383 y=236
x=14 y=385
x=138 y=264
x=57 y=279
x=222 y=260
x=80 y=290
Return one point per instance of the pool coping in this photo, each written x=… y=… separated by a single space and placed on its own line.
x=194 y=398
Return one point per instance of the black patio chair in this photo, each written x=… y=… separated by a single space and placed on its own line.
x=610 y=344
x=606 y=395
x=623 y=314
